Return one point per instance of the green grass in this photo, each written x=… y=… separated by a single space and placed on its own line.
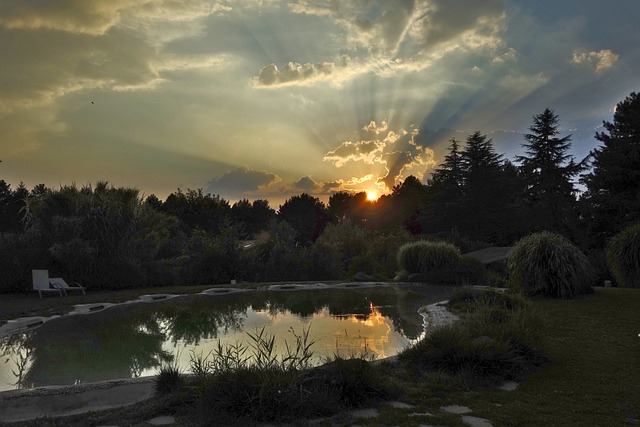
x=593 y=378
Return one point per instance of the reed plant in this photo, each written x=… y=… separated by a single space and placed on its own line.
x=495 y=341
x=256 y=381
x=547 y=264
x=623 y=257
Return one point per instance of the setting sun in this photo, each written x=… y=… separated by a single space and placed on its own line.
x=372 y=196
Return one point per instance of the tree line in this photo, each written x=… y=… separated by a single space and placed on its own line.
x=108 y=237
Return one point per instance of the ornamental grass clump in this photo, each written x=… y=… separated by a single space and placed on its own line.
x=486 y=346
x=549 y=265
x=424 y=257
x=468 y=299
x=623 y=257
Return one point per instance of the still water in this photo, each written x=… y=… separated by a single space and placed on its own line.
x=133 y=340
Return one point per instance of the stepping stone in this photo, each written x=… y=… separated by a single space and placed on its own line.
x=476 y=421
x=423 y=414
x=456 y=409
x=365 y=413
x=164 y=420
x=399 y=405
x=509 y=386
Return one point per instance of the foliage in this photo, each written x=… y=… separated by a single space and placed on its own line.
x=19 y=254
x=468 y=299
x=169 y=379
x=612 y=199
x=487 y=346
x=198 y=210
x=349 y=207
x=423 y=256
x=307 y=215
x=249 y=380
x=623 y=257
x=548 y=172
x=548 y=264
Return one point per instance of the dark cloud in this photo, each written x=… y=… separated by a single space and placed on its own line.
x=240 y=182
x=306 y=183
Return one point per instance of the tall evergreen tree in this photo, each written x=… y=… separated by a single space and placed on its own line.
x=442 y=213
x=450 y=171
x=482 y=194
x=548 y=171
x=612 y=199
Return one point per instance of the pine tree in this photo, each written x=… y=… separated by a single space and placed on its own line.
x=483 y=200
x=612 y=199
x=444 y=191
x=450 y=171
x=548 y=172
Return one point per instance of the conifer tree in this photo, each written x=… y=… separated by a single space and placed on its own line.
x=612 y=199
x=548 y=171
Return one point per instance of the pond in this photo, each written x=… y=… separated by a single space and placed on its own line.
x=134 y=340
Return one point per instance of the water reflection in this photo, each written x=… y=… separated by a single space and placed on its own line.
x=135 y=339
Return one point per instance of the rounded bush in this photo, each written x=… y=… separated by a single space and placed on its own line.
x=623 y=257
x=548 y=264
x=423 y=257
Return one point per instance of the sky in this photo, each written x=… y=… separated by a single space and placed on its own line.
x=267 y=99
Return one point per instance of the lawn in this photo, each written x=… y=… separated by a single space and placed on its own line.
x=593 y=380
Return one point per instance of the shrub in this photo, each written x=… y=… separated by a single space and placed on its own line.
x=423 y=257
x=250 y=380
x=490 y=345
x=623 y=257
x=469 y=300
x=169 y=379
x=548 y=264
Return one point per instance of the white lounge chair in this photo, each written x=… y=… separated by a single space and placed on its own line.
x=59 y=283
x=41 y=282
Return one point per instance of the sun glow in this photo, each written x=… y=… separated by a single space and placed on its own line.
x=372 y=196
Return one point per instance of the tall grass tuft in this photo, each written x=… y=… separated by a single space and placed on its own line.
x=424 y=256
x=169 y=379
x=468 y=299
x=254 y=382
x=623 y=257
x=486 y=346
x=548 y=264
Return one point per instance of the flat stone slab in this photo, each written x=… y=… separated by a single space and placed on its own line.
x=365 y=413
x=22 y=405
x=22 y=324
x=164 y=420
x=456 y=409
x=156 y=297
x=90 y=308
x=476 y=421
x=399 y=405
x=222 y=291
x=509 y=386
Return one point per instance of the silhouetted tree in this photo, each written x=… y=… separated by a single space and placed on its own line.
x=548 y=172
x=306 y=214
x=12 y=205
x=349 y=207
x=198 y=210
x=445 y=192
x=153 y=201
x=612 y=199
x=254 y=217
x=481 y=178
x=409 y=200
